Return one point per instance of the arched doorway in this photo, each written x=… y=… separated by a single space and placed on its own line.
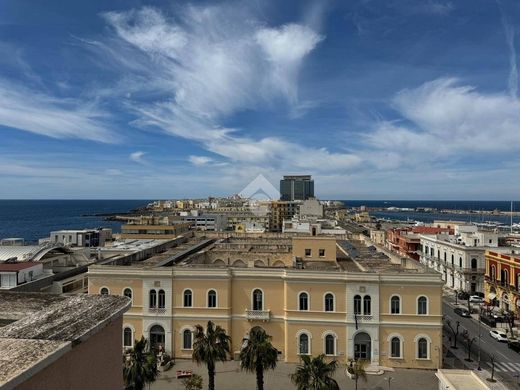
x=156 y=337
x=362 y=346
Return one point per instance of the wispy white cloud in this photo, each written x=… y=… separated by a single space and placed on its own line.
x=213 y=62
x=200 y=160
x=509 y=31
x=30 y=110
x=444 y=119
x=137 y=157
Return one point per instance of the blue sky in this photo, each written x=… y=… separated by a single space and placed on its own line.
x=377 y=99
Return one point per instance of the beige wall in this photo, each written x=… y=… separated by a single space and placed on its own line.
x=281 y=289
x=300 y=244
x=93 y=364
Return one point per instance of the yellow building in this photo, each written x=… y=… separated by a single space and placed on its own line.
x=308 y=304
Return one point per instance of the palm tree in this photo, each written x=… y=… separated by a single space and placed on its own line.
x=140 y=367
x=357 y=368
x=209 y=347
x=315 y=374
x=258 y=355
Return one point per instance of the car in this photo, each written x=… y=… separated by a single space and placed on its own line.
x=514 y=345
x=476 y=299
x=498 y=335
x=480 y=294
x=462 y=312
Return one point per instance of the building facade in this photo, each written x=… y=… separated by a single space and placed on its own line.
x=503 y=280
x=296 y=188
x=390 y=319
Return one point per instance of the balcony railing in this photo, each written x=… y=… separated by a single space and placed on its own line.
x=362 y=317
x=157 y=310
x=258 y=315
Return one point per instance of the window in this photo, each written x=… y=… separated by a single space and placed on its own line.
x=186 y=339
x=127 y=293
x=452 y=260
x=330 y=344
x=445 y=257
x=162 y=299
x=432 y=252
x=322 y=252
x=395 y=347
x=438 y=254
x=153 y=299
x=460 y=262
x=303 y=344
x=473 y=263
x=303 y=301
x=367 y=305
x=127 y=337
x=308 y=253
x=188 y=298
x=329 y=302
x=104 y=291
x=422 y=348
x=395 y=305
x=493 y=273
x=422 y=305
x=258 y=300
x=212 y=298
x=357 y=304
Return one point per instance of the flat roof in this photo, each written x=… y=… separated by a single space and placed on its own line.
x=18 y=266
x=45 y=326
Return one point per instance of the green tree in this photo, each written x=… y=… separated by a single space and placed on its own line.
x=315 y=374
x=258 y=355
x=140 y=367
x=210 y=347
x=357 y=369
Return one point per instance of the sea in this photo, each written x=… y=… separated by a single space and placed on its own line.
x=34 y=219
x=428 y=217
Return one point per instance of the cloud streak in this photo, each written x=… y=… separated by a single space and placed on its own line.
x=509 y=31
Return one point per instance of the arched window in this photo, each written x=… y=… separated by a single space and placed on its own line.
x=187 y=338
x=432 y=253
x=330 y=345
x=303 y=344
x=438 y=254
x=162 y=299
x=153 y=299
x=258 y=300
x=329 y=302
x=357 y=304
x=127 y=337
x=444 y=257
x=473 y=263
x=395 y=347
x=493 y=273
x=460 y=262
x=367 y=305
x=303 y=301
x=104 y=291
x=212 y=298
x=452 y=260
x=422 y=305
x=422 y=348
x=395 y=305
x=188 y=298
x=127 y=293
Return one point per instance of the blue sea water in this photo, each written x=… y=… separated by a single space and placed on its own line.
x=34 y=219
x=464 y=205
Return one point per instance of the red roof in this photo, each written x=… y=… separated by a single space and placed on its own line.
x=17 y=266
x=430 y=230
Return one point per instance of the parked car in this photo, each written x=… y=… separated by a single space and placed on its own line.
x=498 y=335
x=480 y=294
x=462 y=312
x=476 y=299
x=514 y=345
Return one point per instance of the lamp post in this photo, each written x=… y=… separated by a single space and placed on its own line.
x=479 y=336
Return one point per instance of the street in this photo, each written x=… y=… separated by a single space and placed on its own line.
x=507 y=361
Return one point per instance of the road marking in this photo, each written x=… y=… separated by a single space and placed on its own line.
x=505 y=367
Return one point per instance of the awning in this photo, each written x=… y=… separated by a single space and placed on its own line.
x=492 y=296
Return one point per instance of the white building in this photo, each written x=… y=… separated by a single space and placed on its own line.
x=459 y=258
x=208 y=222
x=17 y=273
x=84 y=237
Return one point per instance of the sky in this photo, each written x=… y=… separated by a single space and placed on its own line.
x=377 y=99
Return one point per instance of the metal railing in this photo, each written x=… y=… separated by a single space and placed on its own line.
x=157 y=310
x=261 y=315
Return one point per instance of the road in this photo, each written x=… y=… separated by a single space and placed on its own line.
x=507 y=361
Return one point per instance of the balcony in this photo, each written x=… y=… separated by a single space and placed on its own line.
x=258 y=315
x=362 y=317
x=157 y=310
